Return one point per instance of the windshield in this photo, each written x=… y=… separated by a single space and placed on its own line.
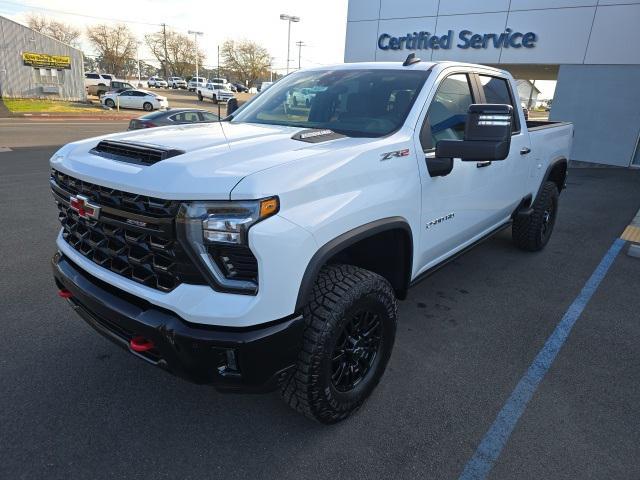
x=368 y=103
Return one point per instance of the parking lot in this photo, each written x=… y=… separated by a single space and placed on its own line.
x=73 y=405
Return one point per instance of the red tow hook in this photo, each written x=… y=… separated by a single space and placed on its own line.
x=141 y=344
x=63 y=293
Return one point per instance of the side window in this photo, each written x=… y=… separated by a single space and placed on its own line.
x=448 y=110
x=209 y=117
x=496 y=90
x=92 y=75
x=186 y=117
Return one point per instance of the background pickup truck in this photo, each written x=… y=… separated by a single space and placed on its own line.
x=216 y=92
x=116 y=86
x=270 y=250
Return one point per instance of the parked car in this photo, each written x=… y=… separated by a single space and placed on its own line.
x=101 y=79
x=216 y=92
x=177 y=82
x=301 y=97
x=139 y=99
x=240 y=87
x=196 y=82
x=174 y=116
x=157 y=82
x=116 y=86
x=294 y=236
x=264 y=86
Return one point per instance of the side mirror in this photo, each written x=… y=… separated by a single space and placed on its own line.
x=232 y=106
x=487 y=135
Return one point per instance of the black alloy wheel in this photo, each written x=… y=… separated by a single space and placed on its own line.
x=356 y=350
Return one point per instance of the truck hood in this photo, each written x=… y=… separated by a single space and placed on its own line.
x=217 y=156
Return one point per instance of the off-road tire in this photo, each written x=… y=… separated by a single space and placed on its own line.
x=533 y=232
x=340 y=294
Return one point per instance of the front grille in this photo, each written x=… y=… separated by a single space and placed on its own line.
x=133 y=153
x=134 y=235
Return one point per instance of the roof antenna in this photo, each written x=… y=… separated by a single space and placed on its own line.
x=411 y=59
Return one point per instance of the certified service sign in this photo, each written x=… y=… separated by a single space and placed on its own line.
x=42 y=60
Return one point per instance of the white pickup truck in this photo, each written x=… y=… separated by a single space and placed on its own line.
x=269 y=250
x=215 y=92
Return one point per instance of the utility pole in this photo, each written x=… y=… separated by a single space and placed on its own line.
x=166 y=53
x=195 y=39
x=290 y=19
x=138 y=55
x=300 y=44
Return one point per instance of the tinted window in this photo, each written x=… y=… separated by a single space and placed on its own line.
x=448 y=110
x=126 y=93
x=92 y=75
x=496 y=90
x=107 y=77
x=356 y=102
x=139 y=94
x=186 y=117
x=209 y=117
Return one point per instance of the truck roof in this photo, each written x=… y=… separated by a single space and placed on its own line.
x=422 y=65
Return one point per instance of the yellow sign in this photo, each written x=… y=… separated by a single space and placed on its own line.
x=42 y=60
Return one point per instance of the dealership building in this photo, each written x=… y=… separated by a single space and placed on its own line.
x=589 y=46
x=33 y=65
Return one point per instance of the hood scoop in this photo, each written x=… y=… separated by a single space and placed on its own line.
x=129 y=152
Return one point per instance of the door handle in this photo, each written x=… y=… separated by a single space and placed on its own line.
x=483 y=164
x=525 y=151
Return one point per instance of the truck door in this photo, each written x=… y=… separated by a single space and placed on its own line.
x=456 y=207
x=509 y=176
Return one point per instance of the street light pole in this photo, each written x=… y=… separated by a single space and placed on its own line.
x=195 y=39
x=300 y=44
x=290 y=19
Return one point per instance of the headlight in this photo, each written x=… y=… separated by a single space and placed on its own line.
x=210 y=230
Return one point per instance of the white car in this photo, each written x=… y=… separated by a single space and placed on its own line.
x=196 y=82
x=264 y=86
x=177 y=82
x=138 y=99
x=157 y=82
x=269 y=250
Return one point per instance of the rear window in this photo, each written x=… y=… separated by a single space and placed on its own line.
x=92 y=75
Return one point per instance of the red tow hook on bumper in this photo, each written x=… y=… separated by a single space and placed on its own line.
x=141 y=344
x=64 y=293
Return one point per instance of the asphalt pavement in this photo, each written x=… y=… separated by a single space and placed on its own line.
x=74 y=406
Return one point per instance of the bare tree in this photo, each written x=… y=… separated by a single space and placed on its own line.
x=115 y=46
x=60 y=31
x=245 y=60
x=175 y=51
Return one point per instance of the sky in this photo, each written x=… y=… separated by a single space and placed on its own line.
x=322 y=25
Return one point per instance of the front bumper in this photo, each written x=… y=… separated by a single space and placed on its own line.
x=260 y=356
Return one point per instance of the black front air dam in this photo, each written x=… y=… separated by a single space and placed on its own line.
x=199 y=353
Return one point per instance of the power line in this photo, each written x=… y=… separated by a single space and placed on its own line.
x=44 y=9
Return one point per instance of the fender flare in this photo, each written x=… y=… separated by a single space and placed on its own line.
x=553 y=164
x=343 y=241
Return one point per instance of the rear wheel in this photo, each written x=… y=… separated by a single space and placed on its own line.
x=147 y=106
x=350 y=329
x=199 y=97
x=532 y=233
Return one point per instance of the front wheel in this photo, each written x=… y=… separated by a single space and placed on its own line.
x=109 y=103
x=200 y=97
x=533 y=232
x=147 y=107
x=349 y=334
x=214 y=99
